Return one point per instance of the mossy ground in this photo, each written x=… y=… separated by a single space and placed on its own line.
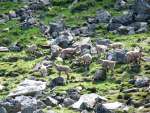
x=109 y=88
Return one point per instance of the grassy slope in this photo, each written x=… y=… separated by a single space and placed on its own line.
x=107 y=88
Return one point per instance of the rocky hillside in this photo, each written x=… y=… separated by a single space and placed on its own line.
x=74 y=56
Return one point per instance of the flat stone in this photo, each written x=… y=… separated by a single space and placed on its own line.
x=28 y=87
x=4 y=49
x=113 y=106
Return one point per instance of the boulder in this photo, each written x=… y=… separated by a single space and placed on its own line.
x=140 y=27
x=113 y=26
x=125 y=20
x=29 y=87
x=100 y=75
x=118 y=55
x=49 y=101
x=99 y=108
x=28 y=110
x=103 y=16
x=88 y=99
x=50 y=111
x=73 y=94
x=27 y=103
x=4 y=49
x=59 y=81
x=113 y=106
x=142 y=81
x=3 y=110
x=15 y=48
x=11 y=105
x=68 y=102
x=120 y=4
x=126 y=30
x=65 y=39
x=142 y=8
x=56 y=28
x=40 y=104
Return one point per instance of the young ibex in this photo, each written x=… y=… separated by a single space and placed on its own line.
x=134 y=56
x=101 y=49
x=86 y=59
x=43 y=70
x=108 y=65
x=55 y=51
x=117 y=45
x=68 y=52
x=61 y=68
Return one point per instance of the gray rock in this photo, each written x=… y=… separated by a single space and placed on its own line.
x=140 y=27
x=4 y=18
x=3 y=110
x=11 y=105
x=113 y=106
x=126 y=30
x=27 y=102
x=49 y=101
x=84 y=111
x=124 y=19
x=118 y=55
x=113 y=26
x=142 y=8
x=56 y=28
x=40 y=104
x=65 y=39
x=88 y=99
x=73 y=94
x=15 y=48
x=131 y=90
x=59 y=81
x=28 y=110
x=4 y=49
x=103 y=16
x=99 y=108
x=50 y=111
x=120 y=4
x=39 y=111
x=45 y=2
x=29 y=87
x=100 y=75
x=68 y=102
x=142 y=81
